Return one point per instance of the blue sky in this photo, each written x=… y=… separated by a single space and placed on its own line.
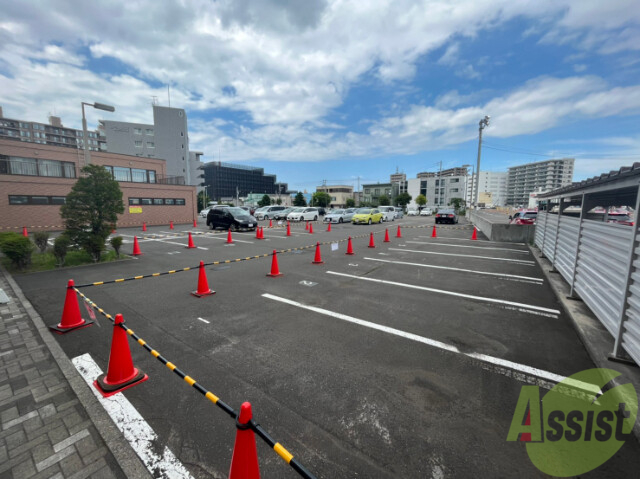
x=336 y=90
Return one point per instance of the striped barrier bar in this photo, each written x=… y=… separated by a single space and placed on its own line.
x=259 y=430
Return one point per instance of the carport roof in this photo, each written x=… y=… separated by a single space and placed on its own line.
x=624 y=177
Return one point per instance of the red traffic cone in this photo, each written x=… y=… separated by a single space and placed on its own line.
x=170 y=225
x=474 y=235
x=329 y=227
x=24 y=232
x=310 y=228
x=349 y=247
x=275 y=270
x=386 y=236
x=71 y=318
x=288 y=229
x=121 y=374
x=257 y=232
x=399 y=233
x=190 y=245
x=433 y=233
x=270 y=224
x=229 y=238
x=136 y=247
x=203 y=284
x=318 y=257
x=244 y=462
x=307 y=226
x=144 y=226
x=195 y=223
x=371 y=242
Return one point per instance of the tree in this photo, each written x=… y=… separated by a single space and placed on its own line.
x=265 y=201
x=278 y=201
x=456 y=203
x=350 y=203
x=384 y=200
x=320 y=198
x=299 y=200
x=421 y=200
x=203 y=199
x=91 y=209
x=403 y=199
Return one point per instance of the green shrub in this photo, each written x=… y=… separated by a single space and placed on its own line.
x=61 y=248
x=41 y=239
x=17 y=248
x=116 y=243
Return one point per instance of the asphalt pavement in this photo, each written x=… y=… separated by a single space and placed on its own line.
x=403 y=360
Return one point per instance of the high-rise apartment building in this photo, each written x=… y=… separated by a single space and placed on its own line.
x=539 y=176
x=493 y=188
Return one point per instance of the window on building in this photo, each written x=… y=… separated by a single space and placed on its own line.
x=18 y=200
x=169 y=201
x=138 y=176
x=24 y=125
x=145 y=201
x=50 y=168
x=121 y=174
x=58 y=200
x=25 y=133
x=152 y=176
x=137 y=131
x=39 y=200
x=109 y=169
x=182 y=133
x=134 y=201
x=180 y=201
x=138 y=144
x=158 y=201
x=150 y=144
x=149 y=132
x=23 y=166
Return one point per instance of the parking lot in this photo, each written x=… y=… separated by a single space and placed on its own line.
x=403 y=360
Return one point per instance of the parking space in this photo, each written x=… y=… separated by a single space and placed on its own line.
x=403 y=360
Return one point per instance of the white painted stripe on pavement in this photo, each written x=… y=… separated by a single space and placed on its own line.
x=515 y=276
x=224 y=238
x=132 y=425
x=475 y=241
x=519 y=261
x=524 y=306
x=501 y=363
x=174 y=242
x=429 y=243
x=203 y=320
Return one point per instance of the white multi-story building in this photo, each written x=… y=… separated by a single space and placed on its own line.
x=493 y=188
x=540 y=176
x=439 y=191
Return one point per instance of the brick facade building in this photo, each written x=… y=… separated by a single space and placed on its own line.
x=35 y=179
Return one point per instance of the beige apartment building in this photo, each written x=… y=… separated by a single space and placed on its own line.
x=338 y=193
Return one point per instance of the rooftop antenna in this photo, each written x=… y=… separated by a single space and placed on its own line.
x=154 y=100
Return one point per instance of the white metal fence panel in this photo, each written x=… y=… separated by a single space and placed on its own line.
x=631 y=325
x=567 y=246
x=550 y=236
x=601 y=272
x=540 y=227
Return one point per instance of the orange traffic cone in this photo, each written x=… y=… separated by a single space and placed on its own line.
x=310 y=228
x=386 y=236
x=288 y=229
x=244 y=462
x=195 y=223
x=433 y=233
x=144 y=226
x=261 y=232
x=371 y=243
x=329 y=227
x=474 y=235
x=399 y=233
x=229 y=238
x=170 y=225
x=349 y=247
x=270 y=224
x=24 y=232
x=136 y=247
x=71 y=318
x=307 y=226
x=257 y=232
x=275 y=270
x=121 y=374
x=190 y=245
x=318 y=257
x=203 y=284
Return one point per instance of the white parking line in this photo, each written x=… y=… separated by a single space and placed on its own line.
x=132 y=425
x=514 y=276
x=519 y=261
x=224 y=238
x=475 y=241
x=204 y=320
x=465 y=246
x=505 y=366
x=520 y=306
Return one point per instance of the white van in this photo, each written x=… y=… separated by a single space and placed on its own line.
x=388 y=213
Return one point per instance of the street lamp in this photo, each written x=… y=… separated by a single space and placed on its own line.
x=482 y=125
x=97 y=106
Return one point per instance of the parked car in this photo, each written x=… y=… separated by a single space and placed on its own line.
x=204 y=212
x=249 y=209
x=322 y=211
x=524 y=217
x=446 y=216
x=367 y=216
x=338 y=216
x=399 y=213
x=413 y=212
x=426 y=212
x=282 y=214
x=268 y=212
x=231 y=218
x=620 y=217
x=388 y=213
x=304 y=214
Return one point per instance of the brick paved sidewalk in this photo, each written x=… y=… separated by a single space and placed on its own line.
x=45 y=427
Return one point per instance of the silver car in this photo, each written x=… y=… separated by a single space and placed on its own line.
x=388 y=213
x=399 y=213
x=339 y=216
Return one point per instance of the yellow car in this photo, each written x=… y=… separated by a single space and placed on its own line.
x=367 y=216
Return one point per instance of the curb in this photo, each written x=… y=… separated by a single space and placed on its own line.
x=595 y=338
x=121 y=450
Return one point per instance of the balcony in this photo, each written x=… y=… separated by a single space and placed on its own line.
x=170 y=180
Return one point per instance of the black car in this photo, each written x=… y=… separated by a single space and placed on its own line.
x=230 y=218
x=322 y=211
x=446 y=216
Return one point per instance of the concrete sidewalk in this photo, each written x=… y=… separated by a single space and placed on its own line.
x=48 y=416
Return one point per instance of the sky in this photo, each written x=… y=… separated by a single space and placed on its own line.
x=342 y=91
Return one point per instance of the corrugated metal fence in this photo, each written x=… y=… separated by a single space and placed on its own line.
x=596 y=259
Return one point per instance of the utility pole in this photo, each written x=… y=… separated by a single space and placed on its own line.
x=440 y=184
x=483 y=123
